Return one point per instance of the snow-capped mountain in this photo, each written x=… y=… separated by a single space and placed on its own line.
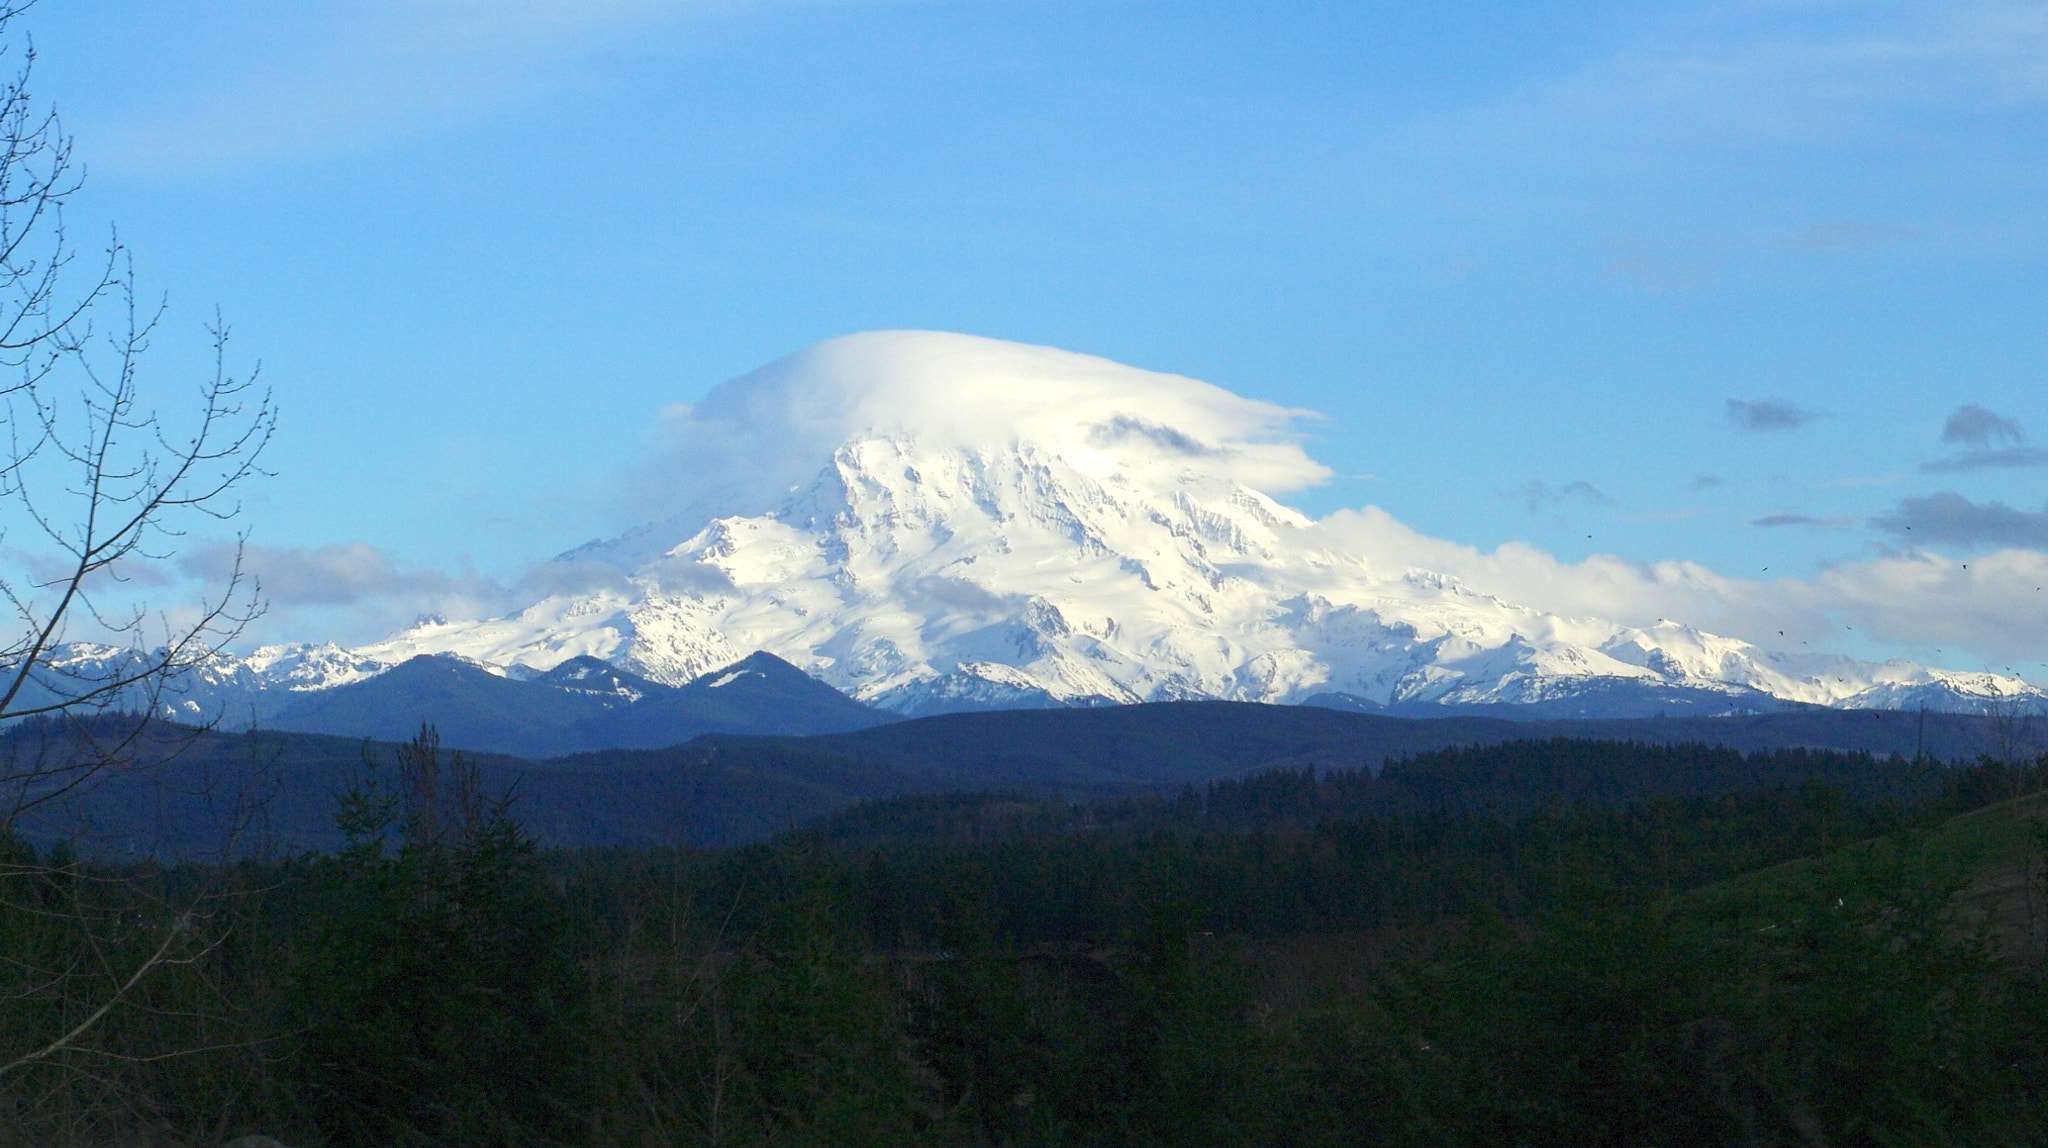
x=933 y=522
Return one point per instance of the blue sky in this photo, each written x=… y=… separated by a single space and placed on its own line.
x=1646 y=282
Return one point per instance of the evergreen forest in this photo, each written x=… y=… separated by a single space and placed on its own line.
x=1555 y=942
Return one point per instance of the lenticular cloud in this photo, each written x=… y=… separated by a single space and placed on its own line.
x=752 y=439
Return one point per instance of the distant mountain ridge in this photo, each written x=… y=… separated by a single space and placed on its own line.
x=583 y=704
x=934 y=523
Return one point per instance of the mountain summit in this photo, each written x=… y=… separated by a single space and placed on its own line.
x=934 y=522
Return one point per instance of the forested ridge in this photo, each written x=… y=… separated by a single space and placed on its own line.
x=1541 y=942
x=169 y=799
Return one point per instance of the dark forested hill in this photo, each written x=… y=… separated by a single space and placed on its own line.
x=186 y=792
x=189 y=792
x=1506 y=779
x=1122 y=748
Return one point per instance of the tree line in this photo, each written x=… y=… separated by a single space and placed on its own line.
x=1248 y=963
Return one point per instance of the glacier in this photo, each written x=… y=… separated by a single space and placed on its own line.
x=933 y=522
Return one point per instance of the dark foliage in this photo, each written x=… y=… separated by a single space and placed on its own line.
x=1524 y=944
x=434 y=996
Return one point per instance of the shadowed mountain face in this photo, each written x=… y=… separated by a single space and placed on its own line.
x=582 y=704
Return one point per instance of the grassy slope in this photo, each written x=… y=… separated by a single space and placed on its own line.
x=1998 y=846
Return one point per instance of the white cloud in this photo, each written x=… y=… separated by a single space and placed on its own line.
x=1993 y=606
x=752 y=439
x=1600 y=586
x=353 y=592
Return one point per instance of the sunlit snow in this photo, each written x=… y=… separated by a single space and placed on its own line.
x=932 y=521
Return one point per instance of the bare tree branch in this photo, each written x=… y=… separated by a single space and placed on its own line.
x=113 y=1001
x=98 y=488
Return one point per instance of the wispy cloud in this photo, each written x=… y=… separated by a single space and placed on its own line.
x=1670 y=515
x=1799 y=520
x=1537 y=495
x=1720 y=77
x=1948 y=518
x=1979 y=430
x=1972 y=425
x=2016 y=457
x=1770 y=414
x=354 y=591
x=337 y=575
x=331 y=77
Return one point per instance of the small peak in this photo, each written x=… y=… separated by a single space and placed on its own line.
x=445 y=662
x=765 y=663
x=761 y=665
x=582 y=667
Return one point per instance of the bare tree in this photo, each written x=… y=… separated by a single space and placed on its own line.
x=2009 y=739
x=96 y=488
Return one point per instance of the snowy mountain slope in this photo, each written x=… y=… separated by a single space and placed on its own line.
x=934 y=522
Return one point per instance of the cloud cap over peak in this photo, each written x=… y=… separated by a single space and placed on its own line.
x=754 y=437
